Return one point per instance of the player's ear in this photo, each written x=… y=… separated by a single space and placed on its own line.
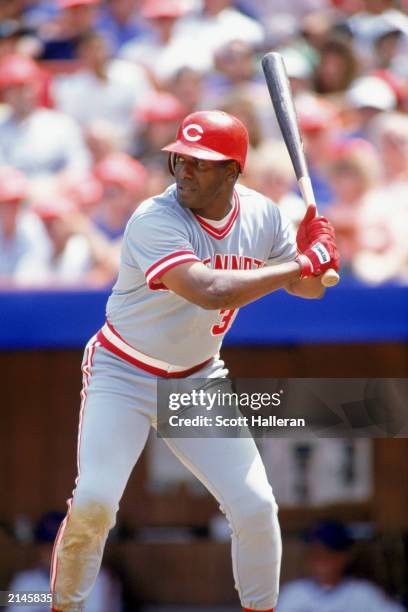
x=232 y=172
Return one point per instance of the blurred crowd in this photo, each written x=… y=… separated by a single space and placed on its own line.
x=90 y=90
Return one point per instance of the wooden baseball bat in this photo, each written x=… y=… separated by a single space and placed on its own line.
x=282 y=100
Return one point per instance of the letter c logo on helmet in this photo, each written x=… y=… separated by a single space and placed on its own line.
x=193 y=137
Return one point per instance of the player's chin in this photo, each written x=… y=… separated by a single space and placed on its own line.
x=188 y=197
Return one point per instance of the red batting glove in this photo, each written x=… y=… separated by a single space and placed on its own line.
x=320 y=256
x=313 y=228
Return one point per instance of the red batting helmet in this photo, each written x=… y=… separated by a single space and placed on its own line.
x=212 y=135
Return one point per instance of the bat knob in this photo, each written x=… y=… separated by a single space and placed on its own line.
x=330 y=278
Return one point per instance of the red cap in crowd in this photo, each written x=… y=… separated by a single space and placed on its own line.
x=16 y=69
x=155 y=9
x=315 y=114
x=354 y=146
x=13 y=185
x=122 y=170
x=53 y=208
x=67 y=4
x=85 y=193
x=160 y=107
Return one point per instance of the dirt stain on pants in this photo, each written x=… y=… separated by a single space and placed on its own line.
x=79 y=555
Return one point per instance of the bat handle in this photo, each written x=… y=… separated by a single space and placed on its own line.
x=330 y=278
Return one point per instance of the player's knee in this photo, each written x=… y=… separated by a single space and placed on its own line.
x=255 y=513
x=87 y=526
x=89 y=499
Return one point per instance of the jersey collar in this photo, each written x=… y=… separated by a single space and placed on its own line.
x=224 y=230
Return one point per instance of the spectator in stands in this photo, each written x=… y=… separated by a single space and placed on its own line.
x=111 y=87
x=10 y=34
x=106 y=595
x=39 y=12
x=358 y=209
x=11 y=9
x=60 y=37
x=265 y=10
x=102 y=138
x=328 y=587
x=124 y=181
x=371 y=23
x=389 y=133
x=38 y=141
x=316 y=29
x=79 y=255
x=158 y=117
x=217 y=24
x=120 y=22
x=387 y=46
x=337 y=68
x=319 y=126
x=383 y=253
x=299 y=69
x=86 y=194
x=367 y=97
x=23 y=242
x=272 y=174
x=187 y=85
x=235 y=64
x=241 y=105
x=154 y=48
x=237 y=77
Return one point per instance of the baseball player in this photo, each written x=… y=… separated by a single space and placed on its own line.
x=191 y=257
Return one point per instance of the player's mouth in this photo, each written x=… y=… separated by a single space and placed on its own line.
x=186 y=194
x=187 y=189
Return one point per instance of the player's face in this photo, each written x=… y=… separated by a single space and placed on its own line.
x=203 y=185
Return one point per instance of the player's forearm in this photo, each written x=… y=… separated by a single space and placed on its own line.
x=309 y=288
x=236 y=288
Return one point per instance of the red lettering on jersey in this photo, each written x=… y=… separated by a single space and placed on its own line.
x=230 y=262
x=207 y=261
x=221 y=262
x=225 y=322
x=236 y=263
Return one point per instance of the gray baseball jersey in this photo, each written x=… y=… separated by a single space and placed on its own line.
x=162 y=234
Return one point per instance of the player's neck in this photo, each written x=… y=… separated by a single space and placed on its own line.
x=217 y=209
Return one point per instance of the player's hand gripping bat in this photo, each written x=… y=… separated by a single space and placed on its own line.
x=282 y=100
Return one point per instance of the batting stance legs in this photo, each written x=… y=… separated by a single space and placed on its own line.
x=117 y=411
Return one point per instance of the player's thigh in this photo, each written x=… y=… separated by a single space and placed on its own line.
x=230 y=468
x=113 y=429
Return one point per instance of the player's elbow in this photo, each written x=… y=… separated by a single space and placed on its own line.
x=211 y=291
x=217 y=296
x=211 y=303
